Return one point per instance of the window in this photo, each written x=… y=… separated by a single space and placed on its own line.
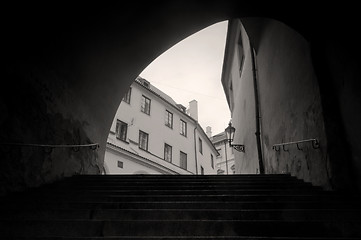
x=240 y=53
x=183 y=128
x=202 y=170
x=212 y=161
x=126 y=97
x=120 y=164
x=143 y=140
x=219 y=150
x=121 y=130
x=145 y=105
x=168 y=119
x=167 y=152
x=183 y=160
x=200 y=145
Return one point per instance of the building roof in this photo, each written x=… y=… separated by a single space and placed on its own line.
x=220 y=137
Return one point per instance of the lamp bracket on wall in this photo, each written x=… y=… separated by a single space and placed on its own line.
x=238 y=147
x=230 y=130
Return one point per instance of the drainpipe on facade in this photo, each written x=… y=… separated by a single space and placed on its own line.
x=258 y=124
x=195 y=148
x=225 y=150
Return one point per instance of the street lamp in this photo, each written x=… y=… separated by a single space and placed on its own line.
x=230 y=130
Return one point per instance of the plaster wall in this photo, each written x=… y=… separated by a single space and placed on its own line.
x=129 y=165
x=159 y=133
x=204 y=158
x=243 y=115
x=225 y=153
x=290 y=105
x=154 y=125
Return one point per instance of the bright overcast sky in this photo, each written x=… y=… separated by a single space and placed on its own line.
x=191 y=70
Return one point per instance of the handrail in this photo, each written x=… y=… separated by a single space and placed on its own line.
x=314 y=141
x=75 y=147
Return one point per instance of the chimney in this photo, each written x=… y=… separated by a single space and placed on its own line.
x=209 y=131
x=193 y=109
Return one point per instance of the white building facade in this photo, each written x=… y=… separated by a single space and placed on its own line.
x=157 y=136
x=225 y=159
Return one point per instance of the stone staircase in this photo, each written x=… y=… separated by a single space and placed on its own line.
x=180 y=207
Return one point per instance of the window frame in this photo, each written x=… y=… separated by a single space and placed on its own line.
x=219 y=150
x=183 y=123
x=120 y=164
x=240 y=53
x=183 y=164
x=168 y=119
x=147 y=140
x=145 y=108
x=168 y=147
x=127 y=96
x=200 y=145
x=118 y=128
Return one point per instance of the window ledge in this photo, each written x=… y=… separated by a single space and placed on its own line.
x=124 y=141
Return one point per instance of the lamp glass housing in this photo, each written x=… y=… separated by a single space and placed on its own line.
x=230 y=133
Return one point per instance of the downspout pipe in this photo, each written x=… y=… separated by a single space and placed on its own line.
x=195 y=148
x=257 y=110
x=225 y=151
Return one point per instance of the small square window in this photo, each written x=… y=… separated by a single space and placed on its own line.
x=120 y=164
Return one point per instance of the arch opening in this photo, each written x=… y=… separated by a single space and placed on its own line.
x=69 y=72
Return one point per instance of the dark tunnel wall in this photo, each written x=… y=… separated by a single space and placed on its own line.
x=67 y=67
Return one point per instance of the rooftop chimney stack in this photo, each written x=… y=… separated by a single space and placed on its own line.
x=209 y=131
x=193 y=109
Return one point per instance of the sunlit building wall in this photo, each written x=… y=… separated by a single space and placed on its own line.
x=225 y=158
x=152 y=134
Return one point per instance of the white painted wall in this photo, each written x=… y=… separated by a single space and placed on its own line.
x=225 y=152
x=159 y=133
x=129 y=166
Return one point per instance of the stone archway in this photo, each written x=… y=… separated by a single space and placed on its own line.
x=67 y=68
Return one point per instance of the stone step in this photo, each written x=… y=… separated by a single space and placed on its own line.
x=139 y=204
x=174 y=180
x=182 y=214
x=98 y=228
x=201 y=192
x=210 y=176
x=185 y=238
x=222 y=185
x=164 y=197
x=180 y=207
